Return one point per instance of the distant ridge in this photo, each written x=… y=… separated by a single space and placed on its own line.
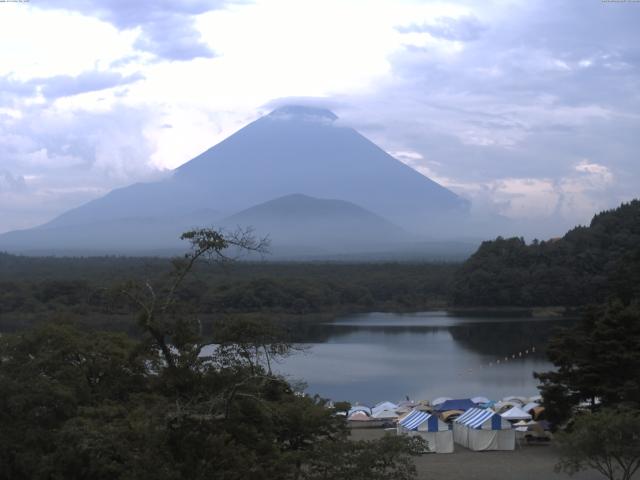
x=330 y=225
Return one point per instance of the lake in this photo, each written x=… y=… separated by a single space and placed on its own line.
x=372 y=357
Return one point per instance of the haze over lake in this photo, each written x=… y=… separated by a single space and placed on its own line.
x=372 y=357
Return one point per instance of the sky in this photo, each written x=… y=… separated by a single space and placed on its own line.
x=530 y=109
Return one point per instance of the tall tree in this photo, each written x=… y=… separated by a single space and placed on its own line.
x=607 y=441
x=597 y=362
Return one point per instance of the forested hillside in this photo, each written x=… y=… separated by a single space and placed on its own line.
x=585 y=266
x=33 y=289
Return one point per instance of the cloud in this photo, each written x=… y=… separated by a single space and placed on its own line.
x=167 y=28
x=58 y=86
x=66 y=85
x=508 y=117
x=173 y=38
x=465 y=29
x=53 y=159
x=11 y=88
x=11 y=183
x=527 y=108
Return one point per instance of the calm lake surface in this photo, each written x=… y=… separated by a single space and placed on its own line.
x=372 y=357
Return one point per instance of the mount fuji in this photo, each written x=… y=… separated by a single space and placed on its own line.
x=293 y=150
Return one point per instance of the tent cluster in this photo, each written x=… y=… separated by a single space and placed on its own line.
x=477 y=423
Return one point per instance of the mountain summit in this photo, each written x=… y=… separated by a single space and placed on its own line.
x=294 y=149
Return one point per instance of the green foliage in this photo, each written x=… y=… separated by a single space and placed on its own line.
x=90 y=289
x=387 y=458
x=47 y=376
x=79 y=405
x=585 y=266
x=607 y=441
x=342 y=407
x=599 y=358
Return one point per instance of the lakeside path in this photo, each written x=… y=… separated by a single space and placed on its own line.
x=529 y=462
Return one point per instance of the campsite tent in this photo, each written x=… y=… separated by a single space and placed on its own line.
x=359 y=408
x=437 y=401
x=450 y=415
x=383 y=407
x=537 y=412
x=385 y=414
x=503 y=406
x=479 y=429
x=513 y=398
x=433 y=430
x=530 y=406
x=359 y=416
x=479 y=400
x=457 y=404
x=515 y=413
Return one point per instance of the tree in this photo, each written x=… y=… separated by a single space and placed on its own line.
x=607 y=441
x=159 y=311
x=80 y=405
x=47 y=377
x=386 y=458
x=597 y=363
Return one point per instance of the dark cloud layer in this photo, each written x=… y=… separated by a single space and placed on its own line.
x=167 y=27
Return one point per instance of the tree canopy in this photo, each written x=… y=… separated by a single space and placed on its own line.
x=608 y=442
x=81 y=404
x=586 y=266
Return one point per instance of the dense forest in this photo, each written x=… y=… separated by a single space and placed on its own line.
x=90 y=289
x=586 y=266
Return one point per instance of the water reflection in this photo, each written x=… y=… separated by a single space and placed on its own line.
x=374 y=357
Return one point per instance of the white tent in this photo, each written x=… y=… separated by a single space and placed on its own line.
x=383 y=406
x=433 y=430
x=513 y=398
x=385 y=414
x=359 y=408
x=516 y=413
x=530 y=406
x=359 y=416
x=503 y=406
x=483 y=429
x=480 y=399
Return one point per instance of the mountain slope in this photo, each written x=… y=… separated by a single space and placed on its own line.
x=293 y=149
x=322 y=225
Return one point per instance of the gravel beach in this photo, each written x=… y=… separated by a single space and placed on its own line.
x=529 y=462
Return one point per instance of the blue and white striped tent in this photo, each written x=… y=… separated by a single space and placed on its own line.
x=483 y=429
x=417 y=420
x=434 y=431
